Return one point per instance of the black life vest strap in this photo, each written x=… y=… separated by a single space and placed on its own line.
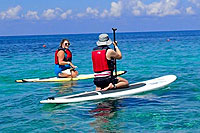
x=60 y=48
x=64 y=49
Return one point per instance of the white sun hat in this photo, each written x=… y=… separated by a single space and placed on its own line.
x=104 y=40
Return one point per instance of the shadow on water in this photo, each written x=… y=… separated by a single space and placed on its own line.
x=103 y=113
x=64 y=88
x=107 y=113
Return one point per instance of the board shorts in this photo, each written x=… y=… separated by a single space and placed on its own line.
x=62 y=69
x=103 y=82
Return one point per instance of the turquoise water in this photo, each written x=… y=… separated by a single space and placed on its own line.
x=145 y=56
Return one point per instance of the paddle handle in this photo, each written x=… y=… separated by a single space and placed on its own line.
x=114 y=39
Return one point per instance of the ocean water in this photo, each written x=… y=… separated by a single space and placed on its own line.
x=146 y=55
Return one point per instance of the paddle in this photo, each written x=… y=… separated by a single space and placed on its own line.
x=115 y=64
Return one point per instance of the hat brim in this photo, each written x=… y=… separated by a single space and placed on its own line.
x=104 y=43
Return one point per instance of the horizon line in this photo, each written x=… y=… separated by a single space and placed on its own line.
x=95 y=33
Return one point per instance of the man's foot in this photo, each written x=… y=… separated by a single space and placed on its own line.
x=98 y=88
x=110 y=86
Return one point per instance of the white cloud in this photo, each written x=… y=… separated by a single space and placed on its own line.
x=104 y=14
x=2 y=15
x=195 y=2
x=81 y=15
x=32 y=15
x=116 y=9
x=89 y=12
x=11 y=13
x=161 y=8
x=65 y=14
x=58 y=10
x=136 y=12
x=137 y=7
x=190 y=11
x=49 y=14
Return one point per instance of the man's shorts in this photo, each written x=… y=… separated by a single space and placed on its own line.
x=103 y=82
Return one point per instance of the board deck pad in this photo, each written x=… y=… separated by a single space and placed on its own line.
x=135 y=88
x=105 y=92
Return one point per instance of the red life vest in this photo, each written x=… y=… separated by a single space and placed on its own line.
x=68 y=55
x=100 y=62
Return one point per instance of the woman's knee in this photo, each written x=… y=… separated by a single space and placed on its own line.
x=74 y=73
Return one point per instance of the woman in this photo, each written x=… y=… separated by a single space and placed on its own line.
x=63 y=61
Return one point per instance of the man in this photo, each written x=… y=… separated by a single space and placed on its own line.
x=103 y=65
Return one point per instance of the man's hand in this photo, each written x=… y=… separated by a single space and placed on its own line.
x=115 y=43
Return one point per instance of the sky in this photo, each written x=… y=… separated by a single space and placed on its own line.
x=45 y=17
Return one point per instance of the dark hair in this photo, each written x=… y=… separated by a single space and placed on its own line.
x=63 y=40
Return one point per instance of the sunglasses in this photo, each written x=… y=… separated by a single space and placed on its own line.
x=67 y=44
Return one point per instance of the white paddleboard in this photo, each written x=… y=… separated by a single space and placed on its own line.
x=135 y=88
x=56 y=79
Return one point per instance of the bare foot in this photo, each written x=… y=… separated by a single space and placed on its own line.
x=110 y=86
x=98 y=88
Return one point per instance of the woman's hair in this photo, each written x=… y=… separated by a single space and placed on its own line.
x=63 y=40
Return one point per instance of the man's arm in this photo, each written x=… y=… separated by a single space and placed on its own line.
x=114 y=54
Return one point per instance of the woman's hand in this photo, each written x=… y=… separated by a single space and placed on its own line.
x=72 y=65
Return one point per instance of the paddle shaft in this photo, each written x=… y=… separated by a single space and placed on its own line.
x=114 y=29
